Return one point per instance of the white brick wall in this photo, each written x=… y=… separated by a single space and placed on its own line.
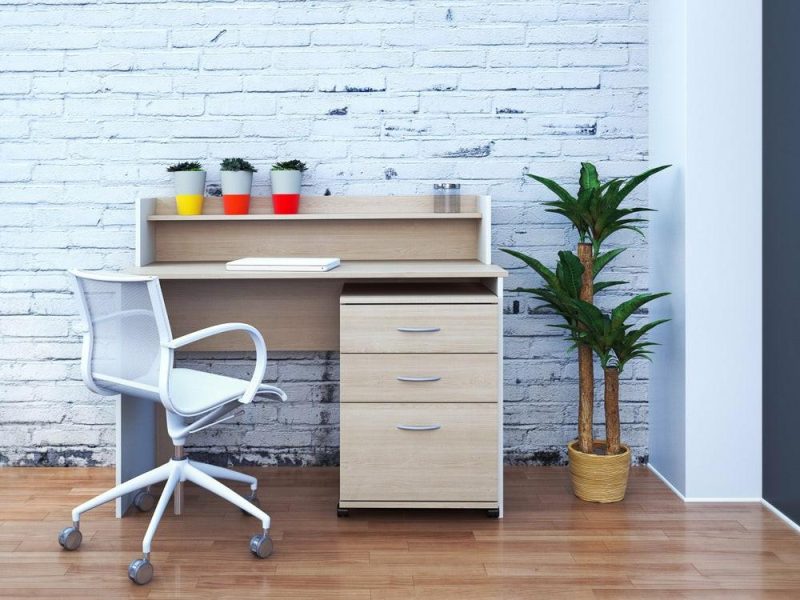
x=97 y=97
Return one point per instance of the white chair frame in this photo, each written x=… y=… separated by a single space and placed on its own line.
x=179 y=424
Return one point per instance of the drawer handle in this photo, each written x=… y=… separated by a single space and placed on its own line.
x=419 y=329
x=419 y=427
x=418 y=379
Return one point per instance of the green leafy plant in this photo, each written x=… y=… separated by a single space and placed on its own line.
x=185 y=166
x=616 y=342
x=596 y=213
x=562 y=286
x=236 y=164
x=289 y=165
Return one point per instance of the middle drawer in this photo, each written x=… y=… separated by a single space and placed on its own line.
x=418 y=377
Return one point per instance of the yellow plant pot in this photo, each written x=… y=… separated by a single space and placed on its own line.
x=598 y=477
x=189 y=204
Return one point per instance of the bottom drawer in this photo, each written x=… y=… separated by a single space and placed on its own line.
x=419 y=452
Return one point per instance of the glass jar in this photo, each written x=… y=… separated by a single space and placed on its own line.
x=446 y=197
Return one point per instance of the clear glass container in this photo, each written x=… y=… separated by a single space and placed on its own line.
x=446 y=197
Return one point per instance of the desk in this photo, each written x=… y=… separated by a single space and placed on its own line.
x=413 y=255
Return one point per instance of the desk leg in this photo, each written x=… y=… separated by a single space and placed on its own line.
x=136 y=443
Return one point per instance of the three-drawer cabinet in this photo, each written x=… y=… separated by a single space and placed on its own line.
x=420 y=416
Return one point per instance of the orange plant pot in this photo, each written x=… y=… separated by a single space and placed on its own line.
x=236 y=204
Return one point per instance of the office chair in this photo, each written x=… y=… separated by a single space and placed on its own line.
x=129 y=349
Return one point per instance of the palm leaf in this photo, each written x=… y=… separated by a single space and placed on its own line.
x=537 y=266
x=599 y=286
x=602 y=260
x=571 y=273
x=554 y=187
x=620 y=314
x=589 y=178
x=634 y=182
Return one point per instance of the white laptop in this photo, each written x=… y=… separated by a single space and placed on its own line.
x=282 y=264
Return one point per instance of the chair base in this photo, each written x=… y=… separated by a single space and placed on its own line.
x=176 y=471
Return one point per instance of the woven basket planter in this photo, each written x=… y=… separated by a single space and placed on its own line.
x=597 y=477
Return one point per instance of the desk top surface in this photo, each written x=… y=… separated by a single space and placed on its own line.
x=351 y=269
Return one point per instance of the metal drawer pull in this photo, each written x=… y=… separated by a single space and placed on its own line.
x=417 y=379
x=419 y=427
x=419 y=329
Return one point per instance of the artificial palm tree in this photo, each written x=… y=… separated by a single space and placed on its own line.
x=596 y=214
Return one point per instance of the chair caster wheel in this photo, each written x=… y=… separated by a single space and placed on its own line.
x=70 y=538
x=493 y=513
x=261 y=545
x=342 y=512
x=144 y=501
x=140 y=571
x=252 y=499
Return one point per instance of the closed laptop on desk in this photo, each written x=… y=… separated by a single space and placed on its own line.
x=282 y=264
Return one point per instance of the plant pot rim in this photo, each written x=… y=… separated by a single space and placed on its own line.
x=573 y=447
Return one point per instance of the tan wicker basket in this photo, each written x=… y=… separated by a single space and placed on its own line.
x=597 y=477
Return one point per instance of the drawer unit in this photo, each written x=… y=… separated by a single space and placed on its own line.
x=415 y=452
x=418 y=328
x=419 y=378
x=420 y=413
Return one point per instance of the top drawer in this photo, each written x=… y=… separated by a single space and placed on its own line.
x=418 y=328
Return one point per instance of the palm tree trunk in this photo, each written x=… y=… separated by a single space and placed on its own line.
x=585 y=358
x=612 y=409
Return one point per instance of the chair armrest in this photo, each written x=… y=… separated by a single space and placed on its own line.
x=271 y=389
x=258 y=341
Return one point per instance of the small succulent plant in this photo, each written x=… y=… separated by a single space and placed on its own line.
x=289 y=165
x=236 y=164
x=185 y=166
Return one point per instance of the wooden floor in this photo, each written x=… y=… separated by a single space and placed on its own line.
x=549 y=546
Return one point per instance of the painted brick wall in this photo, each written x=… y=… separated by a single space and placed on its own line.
x=96 y=97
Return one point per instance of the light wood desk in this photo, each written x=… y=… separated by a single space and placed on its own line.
x=399 y=257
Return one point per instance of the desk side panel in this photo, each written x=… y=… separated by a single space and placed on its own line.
x=136 y=443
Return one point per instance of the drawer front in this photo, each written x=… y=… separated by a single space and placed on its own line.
x=419 y=452
x=418 y=328
x=419 y=377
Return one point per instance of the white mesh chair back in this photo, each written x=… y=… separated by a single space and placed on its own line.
x=126 y=323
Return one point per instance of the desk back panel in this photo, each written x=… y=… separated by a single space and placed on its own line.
x=372 y=239
x=291 y=314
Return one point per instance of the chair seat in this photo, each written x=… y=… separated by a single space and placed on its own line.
x=196 y=392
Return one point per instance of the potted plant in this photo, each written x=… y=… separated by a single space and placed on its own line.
x=190 y=186
x=237 y=182
x=596 y=214
x=604 y=477
x=286 y=177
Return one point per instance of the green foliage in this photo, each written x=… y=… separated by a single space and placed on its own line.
x=236 y=164
x=289 y=165
x=610 y=336
x=562 y=286
x=185 y=166
x=595 y=212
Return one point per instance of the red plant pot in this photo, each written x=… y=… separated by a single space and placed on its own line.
x=285 y=204
x=236 y=204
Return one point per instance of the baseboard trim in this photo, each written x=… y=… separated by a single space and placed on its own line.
x=698 y=499
x=666 y=482
x=780 y=515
